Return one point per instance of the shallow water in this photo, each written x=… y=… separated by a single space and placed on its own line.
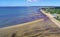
x=16 y=15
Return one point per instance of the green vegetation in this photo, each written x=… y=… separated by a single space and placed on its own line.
x=54 y=11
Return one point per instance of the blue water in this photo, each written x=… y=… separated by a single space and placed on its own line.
x=16 y=15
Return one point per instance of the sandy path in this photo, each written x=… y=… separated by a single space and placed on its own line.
x=51 y=18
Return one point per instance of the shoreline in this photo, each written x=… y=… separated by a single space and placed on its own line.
x=23 y=24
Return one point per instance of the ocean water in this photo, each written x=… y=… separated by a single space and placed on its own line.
x=10 y=16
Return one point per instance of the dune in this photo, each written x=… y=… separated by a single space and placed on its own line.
x=37 y=28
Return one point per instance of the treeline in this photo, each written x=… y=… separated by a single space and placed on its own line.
x=53 y=10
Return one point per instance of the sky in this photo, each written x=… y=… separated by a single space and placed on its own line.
x=29 y=2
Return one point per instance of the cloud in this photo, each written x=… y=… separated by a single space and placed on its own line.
x=32 y=0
